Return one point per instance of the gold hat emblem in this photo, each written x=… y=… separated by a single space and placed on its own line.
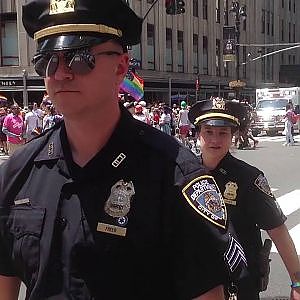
x=61 y=6
x=218 y=103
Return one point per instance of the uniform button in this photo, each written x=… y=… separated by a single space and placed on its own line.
x=142 y=132
x=62 y=222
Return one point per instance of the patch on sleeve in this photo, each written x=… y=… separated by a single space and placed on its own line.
x=203 y=194
x=234 y=255
x=262 y=183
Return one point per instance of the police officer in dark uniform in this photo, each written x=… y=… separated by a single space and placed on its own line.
x=250 y=203
x=103 y=206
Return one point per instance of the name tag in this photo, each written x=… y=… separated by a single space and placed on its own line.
x=22 y=201
x=112 y=229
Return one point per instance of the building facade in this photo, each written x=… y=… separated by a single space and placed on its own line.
x=175 y=50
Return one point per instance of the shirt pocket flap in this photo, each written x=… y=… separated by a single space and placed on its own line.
x=26 y=221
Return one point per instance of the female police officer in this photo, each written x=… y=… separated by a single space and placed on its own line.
x=248 y=197
x=102 y=206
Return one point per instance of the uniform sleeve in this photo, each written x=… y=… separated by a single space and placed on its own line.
x=206 y=252
x=262 y=205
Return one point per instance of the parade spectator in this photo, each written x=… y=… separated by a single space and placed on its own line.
x=51 y=118
x=165 y=121
x=139 y=114
x=183 y=121
x=31 y=124
x=288 y=124
x=13 y=126
x=3 y=142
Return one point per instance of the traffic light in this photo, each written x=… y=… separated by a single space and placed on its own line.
x=171 y=7
x=180 y=7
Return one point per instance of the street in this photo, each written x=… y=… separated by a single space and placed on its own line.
x=281 y=166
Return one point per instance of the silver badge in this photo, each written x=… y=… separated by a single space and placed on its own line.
x=118 y=203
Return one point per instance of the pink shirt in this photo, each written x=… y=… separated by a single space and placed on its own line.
x=14 y=124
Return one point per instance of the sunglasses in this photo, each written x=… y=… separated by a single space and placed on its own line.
x=80 y=61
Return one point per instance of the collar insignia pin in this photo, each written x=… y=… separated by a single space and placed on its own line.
x=118 y=160
x=50 y=149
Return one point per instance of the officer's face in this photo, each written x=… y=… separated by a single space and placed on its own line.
x=215 y=141
x=97 y=89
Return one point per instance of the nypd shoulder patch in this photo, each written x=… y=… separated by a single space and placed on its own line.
x=203 y=194
x=262 y=183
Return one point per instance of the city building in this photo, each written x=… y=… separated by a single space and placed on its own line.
x=177 y=50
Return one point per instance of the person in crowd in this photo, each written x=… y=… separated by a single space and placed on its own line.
x=103 y=206
x=13 y=128
x=3 y=142
x=288 y=125
x=39 y=112
x=129 y=106
x=31 y=124
x=51 y=118
x=183 y=121
x=139 y=115
x=249 y=200
x=165 y=120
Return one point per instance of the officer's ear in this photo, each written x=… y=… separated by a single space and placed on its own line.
x=122 y=67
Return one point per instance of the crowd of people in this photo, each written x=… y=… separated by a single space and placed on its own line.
x=20 y=125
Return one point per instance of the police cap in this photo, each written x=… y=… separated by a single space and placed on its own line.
x=217 y=112
x=71 y=24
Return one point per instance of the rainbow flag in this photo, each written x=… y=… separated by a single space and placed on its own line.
x=133 y=85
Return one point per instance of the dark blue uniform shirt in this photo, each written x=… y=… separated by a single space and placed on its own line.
x=61 y=234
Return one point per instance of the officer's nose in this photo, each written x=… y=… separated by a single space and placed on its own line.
x=63 y=71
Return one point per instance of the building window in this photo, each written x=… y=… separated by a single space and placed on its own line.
x=282 y=3
x=169 y=56
x=150 y=47
x=8 y=40
x=180 y=51
x=217 y=11
x=150 y=1
x=282 y=30
x=226 y=69
x=282 y=59
x=294 y=33
x=195 y=54
x=268 y=22
x=294 y=59
x=204 y=10
x=195 y=8
x=218 y=57
x=263 y=21
x=294 y=6
x=290 y=5
x=226 y=15
x=244 y=61
x=290 y=32
x=205 y=55
x=272 y=24
x=136 y=52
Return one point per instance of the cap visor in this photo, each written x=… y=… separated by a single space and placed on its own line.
x=67 y=42
x=219 y=123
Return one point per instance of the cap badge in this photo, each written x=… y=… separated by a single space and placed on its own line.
x=61 y=6
x=230 y=193
x=203 y=194
x=218 y=103
x=118 y=203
